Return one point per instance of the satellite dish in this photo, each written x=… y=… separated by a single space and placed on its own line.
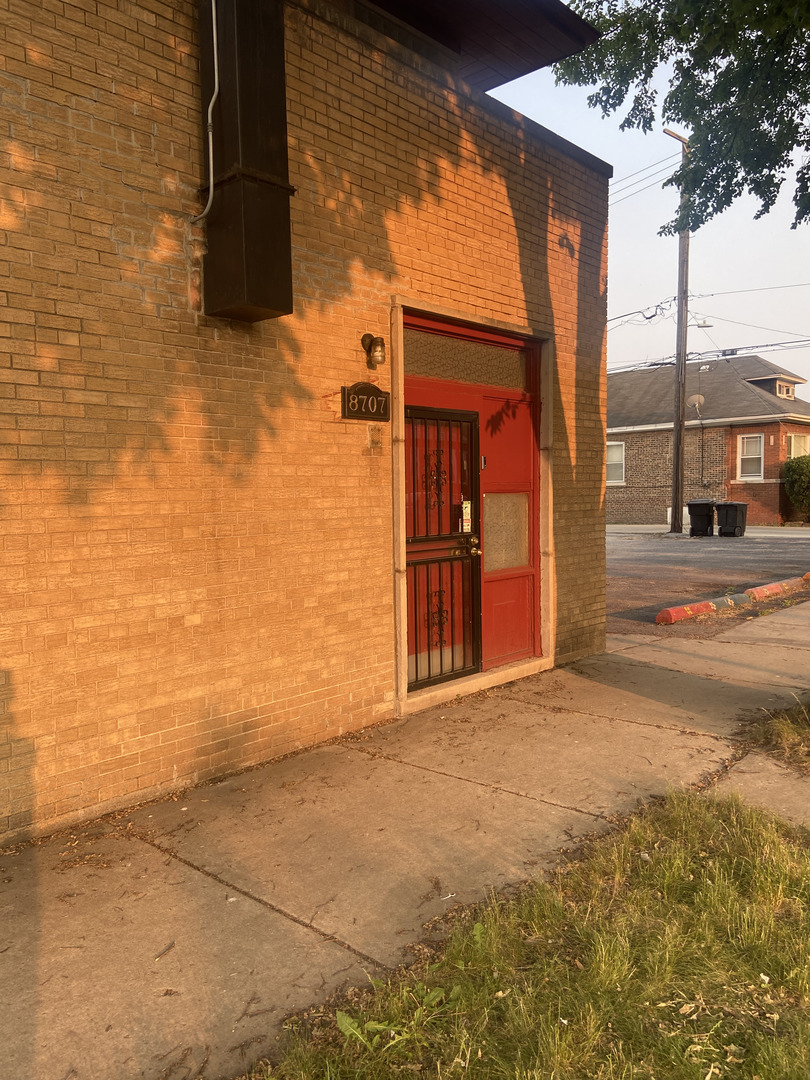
x=696 y=400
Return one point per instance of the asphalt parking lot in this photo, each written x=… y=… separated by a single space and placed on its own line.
x=648 y=570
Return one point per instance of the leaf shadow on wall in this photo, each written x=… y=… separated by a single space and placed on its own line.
x=169 y=388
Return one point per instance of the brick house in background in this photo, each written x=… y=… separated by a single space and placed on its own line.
x=231 y=527
x=743 y=421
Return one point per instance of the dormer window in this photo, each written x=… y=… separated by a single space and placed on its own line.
x=784 y=389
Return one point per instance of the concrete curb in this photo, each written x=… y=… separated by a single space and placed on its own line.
x=707 y=607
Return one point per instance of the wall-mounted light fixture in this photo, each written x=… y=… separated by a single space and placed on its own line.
x=374 y=348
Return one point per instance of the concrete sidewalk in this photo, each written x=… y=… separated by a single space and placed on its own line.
x=170 y=942
x=757 y=532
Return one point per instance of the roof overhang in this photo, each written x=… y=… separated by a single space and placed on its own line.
x=726 y=421
x=499 y=42
x=777 y=376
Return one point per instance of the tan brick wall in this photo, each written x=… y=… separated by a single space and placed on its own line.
x=197 y=551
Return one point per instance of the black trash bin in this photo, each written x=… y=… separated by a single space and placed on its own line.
x=731 y=518
x=701 y=517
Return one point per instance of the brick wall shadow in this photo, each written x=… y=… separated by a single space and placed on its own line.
x=19 y=929
x=579 y=398
x=714 y=705
x=17 y=759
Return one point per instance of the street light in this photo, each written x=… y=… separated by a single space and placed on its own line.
x=676 y=513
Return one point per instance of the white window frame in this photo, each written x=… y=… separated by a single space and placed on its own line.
x=791 y=444
x=612 y=483
x=749 y=477
x=784 y=390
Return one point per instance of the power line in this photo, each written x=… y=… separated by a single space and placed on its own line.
x=755 y=326
x=657 y=308
x=613 y=191
x=720 y=354
x=704 y=329
x=647 y=168
x=624 y=198
x=665 y=361
x=739 y=292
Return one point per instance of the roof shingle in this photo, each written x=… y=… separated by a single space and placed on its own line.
x=646 y=396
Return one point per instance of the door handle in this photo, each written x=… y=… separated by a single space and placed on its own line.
x=475 y=551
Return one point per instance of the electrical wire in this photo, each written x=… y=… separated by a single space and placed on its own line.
x=647 y=168
x=624 y=198
x=755 y=326
x=665 y=169
x=659 y=309
x=704 y=296
x=717 y=354
x=739 y=292
x=210 y=126
x=704 y=329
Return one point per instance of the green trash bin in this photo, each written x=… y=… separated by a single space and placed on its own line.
x=731 y=518
x=701 y=517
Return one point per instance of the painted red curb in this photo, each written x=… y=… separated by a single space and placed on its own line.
x=705 y=607
x=775 y=588
x=687 y=611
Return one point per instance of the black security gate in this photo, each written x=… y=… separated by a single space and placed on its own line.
x=443 y=564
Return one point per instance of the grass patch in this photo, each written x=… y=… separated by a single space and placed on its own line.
x=677 y=949
x=786 y=736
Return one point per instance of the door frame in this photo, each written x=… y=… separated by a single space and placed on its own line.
x=406 y=702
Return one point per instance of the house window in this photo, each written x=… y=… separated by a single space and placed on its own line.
x=749 y=457
x=615 y=463
x=784 y=390
x=798 y=445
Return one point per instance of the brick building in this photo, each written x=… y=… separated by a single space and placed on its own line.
x=743 y=423
x=229 y=529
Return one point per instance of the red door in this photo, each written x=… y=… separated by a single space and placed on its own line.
x=499 y=541
x=509 y=534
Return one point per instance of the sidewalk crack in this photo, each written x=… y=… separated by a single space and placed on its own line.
x=478 y=783
x=322 y=934
x=711 y=779
x=682 y=729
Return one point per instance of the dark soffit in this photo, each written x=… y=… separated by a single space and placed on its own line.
x=497 y=41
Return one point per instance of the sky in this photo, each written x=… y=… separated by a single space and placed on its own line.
x=763 y=264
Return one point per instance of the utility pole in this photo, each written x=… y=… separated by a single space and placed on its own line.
x=676 y=518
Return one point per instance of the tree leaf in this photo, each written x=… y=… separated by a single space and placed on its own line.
x=739 y=81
